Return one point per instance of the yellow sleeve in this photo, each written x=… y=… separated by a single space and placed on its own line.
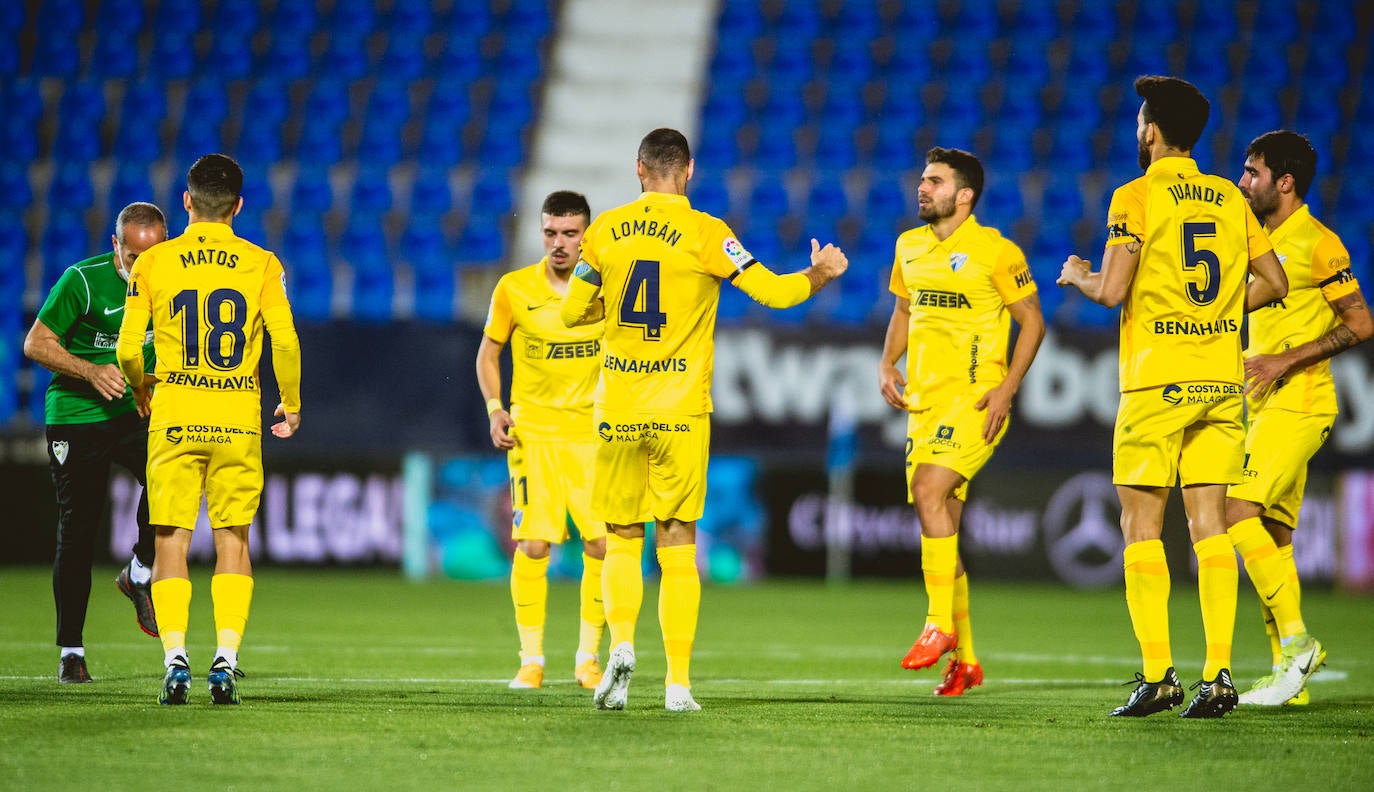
x=1126 y=214
x=500 y=322
x=897 y=284
x=775 y=291
x=581 y=304
x=1331 y=269
x=286 y=354
x=273 y=291
x=1258 y=240
x=1011 y=275
x=133 y=329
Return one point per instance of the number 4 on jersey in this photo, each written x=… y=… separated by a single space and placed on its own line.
x=639 y=302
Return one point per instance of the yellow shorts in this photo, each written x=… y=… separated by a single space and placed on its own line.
x=550 y=482
x=950 y=435
x=1277 y=448
x=222 y=462
x=1184 y=433
x=650 y=466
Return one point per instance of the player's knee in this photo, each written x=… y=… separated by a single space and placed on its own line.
x=533 y=548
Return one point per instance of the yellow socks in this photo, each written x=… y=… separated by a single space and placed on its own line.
x=1147 y=599
x=622 y=586
x=963 y=651
x=232 y=596
x=679 y=602
x=529 y=590
x=1269 y=573
x=1217 y=575
x=172 y=604
x=593 y=609
x=939 y=558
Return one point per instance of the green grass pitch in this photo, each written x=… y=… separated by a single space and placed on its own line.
x=361 y=680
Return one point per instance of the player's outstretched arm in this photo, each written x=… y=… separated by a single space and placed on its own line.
x=1356 y=327
x=767 y=288
x=891 y=383
x=582 y=305
x=997 y=402
x=1108 y=286
x=43 y=347
x=489 y=382
x=1269 y=283
x=286 y=365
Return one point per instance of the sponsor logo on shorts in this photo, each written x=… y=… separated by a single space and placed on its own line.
x=204 y=433
x=1199 y=393
x=645 y=430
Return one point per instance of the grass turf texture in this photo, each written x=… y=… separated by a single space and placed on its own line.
x=362 y=680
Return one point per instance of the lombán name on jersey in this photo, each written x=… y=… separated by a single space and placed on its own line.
x=240 y=382
x=648 y=228
x=224 y=258
x=1197 y=328
x=1195 y=192
x=932 y=298
x=568 y=350
x=634 y=366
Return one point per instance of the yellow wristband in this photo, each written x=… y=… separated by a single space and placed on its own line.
x=493 y=405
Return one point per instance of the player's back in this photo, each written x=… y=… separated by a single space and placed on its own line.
x=206 y=290
x=660 y=263
x=1181 y=319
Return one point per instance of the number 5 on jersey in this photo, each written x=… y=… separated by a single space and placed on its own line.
x=639 y=301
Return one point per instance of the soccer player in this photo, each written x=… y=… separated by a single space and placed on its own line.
x=653 y=269
x=1179 y=244
x=1292 y=397
x=547 y=434
x=209 y=294
x=957 y=285
x=92 y=422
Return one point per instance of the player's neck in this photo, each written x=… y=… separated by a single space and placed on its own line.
x=665 y=184
x=558 y=280
x=946 y=226
x=1280 y=215
x=1160 y=152
x=195 y=218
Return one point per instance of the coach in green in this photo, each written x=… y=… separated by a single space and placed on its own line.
x=92 y=422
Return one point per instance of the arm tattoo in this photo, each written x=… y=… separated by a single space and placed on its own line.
x=1336 y=341
x=1133 y=248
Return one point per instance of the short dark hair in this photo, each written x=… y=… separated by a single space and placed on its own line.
x=968 y=171
x=1176 y=106
x=1287 y=152
x=139 y=213
x=215 y=183
x=566 y=203
x=665 y=151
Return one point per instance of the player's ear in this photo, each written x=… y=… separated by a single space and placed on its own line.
x=238 y=207
x=186 y=200
x=691 y=168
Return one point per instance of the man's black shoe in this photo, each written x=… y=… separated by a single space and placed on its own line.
x=142 y=596
x=72 y=669
x=1151 y=697
x=1214 y=699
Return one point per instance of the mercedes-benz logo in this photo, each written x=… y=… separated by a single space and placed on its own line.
x=1082 y=528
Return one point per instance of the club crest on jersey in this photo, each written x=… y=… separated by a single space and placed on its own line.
x=59 y=451
x=957 y=261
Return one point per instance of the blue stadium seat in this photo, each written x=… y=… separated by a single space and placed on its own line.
x=309 y=277
x=76 y=142
x=312 y=194
x=16 y=192
x=115 y=55
x=404 y=58
x=886 y=201
x=198 y=136
x=257 y=190
x=775 y=151
x=1061 y=204
x=492 y=194
x=82 y=104
x=320 y=143
x=1094 y=22
x=1214 y=22
x=248 y=224
x=826 y=202
x=1033 y=21
x=131 y=183
x=1071 y=148
x=460 y=59
x=894 y=148
x=430 y=195
x=835 y=148
x=58 y=52
x=259 y=144
x=1267 y=68
x=1319 y=111
x=380 y=142
x=65 y=242
x=768 y=200
x=1335 y=23
x=482 y=242
x=230 y=56
x=1000 y=204
x=441 y=143
x=173 y=57
x=468 y=15
x=207 y=100
x=975 y=21
x=346 y=57
x=709 y=194
x=502 y=144
x=424 y=247
x=371 y=190
x=71 y=188
x=1088 y=65
x=353 y=18
x=328 y=100
x=1328 y=64
x=287 y=56
x=373 y=285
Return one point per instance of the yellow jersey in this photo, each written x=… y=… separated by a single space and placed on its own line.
x=1318 y=269
x=959 y=290
x=1180 y=321
x=659 y=264
x=206 y=291
x=554 y=368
